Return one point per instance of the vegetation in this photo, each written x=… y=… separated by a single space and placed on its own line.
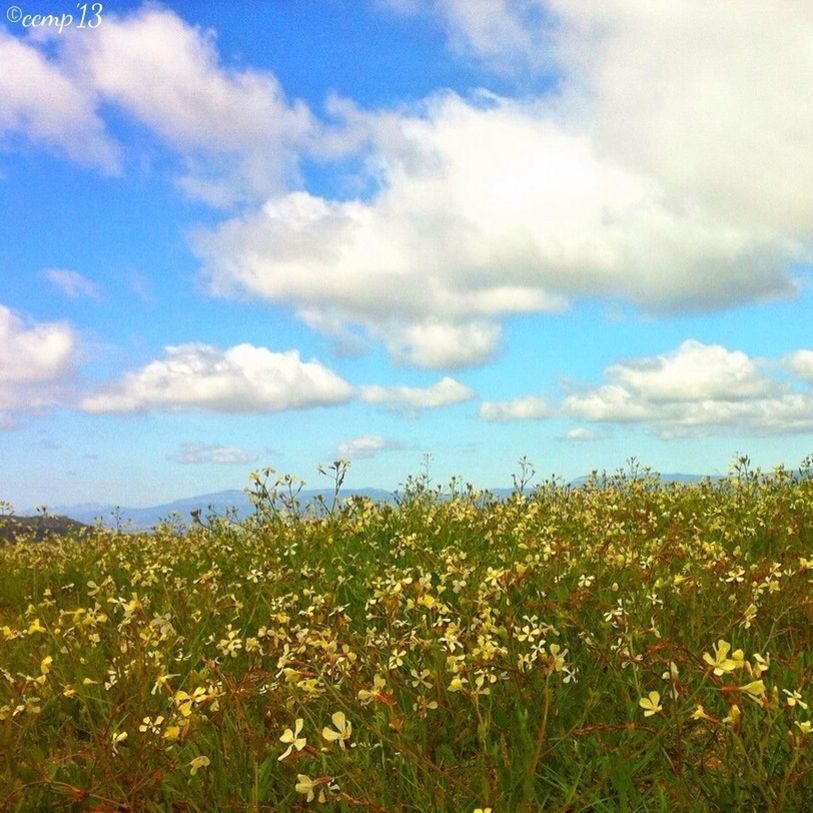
x=627 y=645
x=41 y=527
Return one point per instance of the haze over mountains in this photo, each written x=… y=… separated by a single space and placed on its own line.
x=238 y=500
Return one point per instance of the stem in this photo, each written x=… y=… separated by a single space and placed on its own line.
x=540 y=734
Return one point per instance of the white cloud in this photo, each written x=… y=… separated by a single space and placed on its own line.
x=689 y=93
x=580 y=433
x=238 y=136
x=694 y=95
x=240 y=379
x=507 y=34
x=696 y=389
x=801 y=363
x=71 y=283
x=365 y=446
x=205 y=453
x=529 y=407
x=236 y=130
x=37 y=352
x=694 y=371
x=36 y=364
x=487 y=208
x=438 y=344
x=43 y=103
x=670 y=167
x=412 y=399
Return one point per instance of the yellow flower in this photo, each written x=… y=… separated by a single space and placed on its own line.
x=756 y=688
x=306 y=786
x=760 y=665
x=184 y=702
x=804 y=727
x=456 y=684
x=557 y=660
x=700 y=713
x=721 y=662
x=343 y=729
x=172 y=732
x=197 y=763
x=116 y=738
x=482 y=810
x=795 y=699
x=651 y=704
x=366 y=696
x=733 y=715
x=748 y=616
x=45 y=665
x=292 y=739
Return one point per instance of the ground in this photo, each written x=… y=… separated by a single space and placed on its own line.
x=624 y=645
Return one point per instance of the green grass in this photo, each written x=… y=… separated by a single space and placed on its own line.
x=457 y=607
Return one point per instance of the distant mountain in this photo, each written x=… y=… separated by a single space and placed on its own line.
x=671 y=477
x=238 y=500
x=43 y=527
x=218 y=501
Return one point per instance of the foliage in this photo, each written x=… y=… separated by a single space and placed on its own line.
x=629 y=645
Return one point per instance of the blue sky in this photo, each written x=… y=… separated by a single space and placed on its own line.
x=236 y=236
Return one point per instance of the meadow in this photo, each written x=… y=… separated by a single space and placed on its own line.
x=627 y=645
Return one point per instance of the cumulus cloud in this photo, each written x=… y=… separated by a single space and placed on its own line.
x=35 y=352
x=488 y=207
x=531 y=406
x=800 y=362
x=676 y=184
x=36 y=364
x=249 y=379
x=688 y=93
x=438 y=344
x=696 y=389
x=45 y=104
x=509 y=35
x=238 y=136
x=235 y=128
x=783 y=413
x=240 y=379
x=365 y=446
x=580 y=433
x=693 y=372
x=413 y=399
x=691 y=389
x=693 y=94
x=71 y=283
x=206 y=453
x=670 y=166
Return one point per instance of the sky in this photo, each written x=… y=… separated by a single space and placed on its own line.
x=237 y=235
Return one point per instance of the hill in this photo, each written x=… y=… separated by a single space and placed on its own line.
x=44 y=527
x=237 y=500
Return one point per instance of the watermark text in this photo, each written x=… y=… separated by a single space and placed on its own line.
x=88 y=15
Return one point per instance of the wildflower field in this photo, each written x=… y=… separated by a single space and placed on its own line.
x=628 y=645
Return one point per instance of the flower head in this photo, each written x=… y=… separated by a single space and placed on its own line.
x=292 y=739
x=721 y=662
x=651 y=704
x=700 y=713
x=342 y=730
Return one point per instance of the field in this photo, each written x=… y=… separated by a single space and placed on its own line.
x=628 y=645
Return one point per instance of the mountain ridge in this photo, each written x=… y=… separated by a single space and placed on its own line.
x=237 y=499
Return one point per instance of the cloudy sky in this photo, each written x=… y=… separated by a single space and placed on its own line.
x=234 y=237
